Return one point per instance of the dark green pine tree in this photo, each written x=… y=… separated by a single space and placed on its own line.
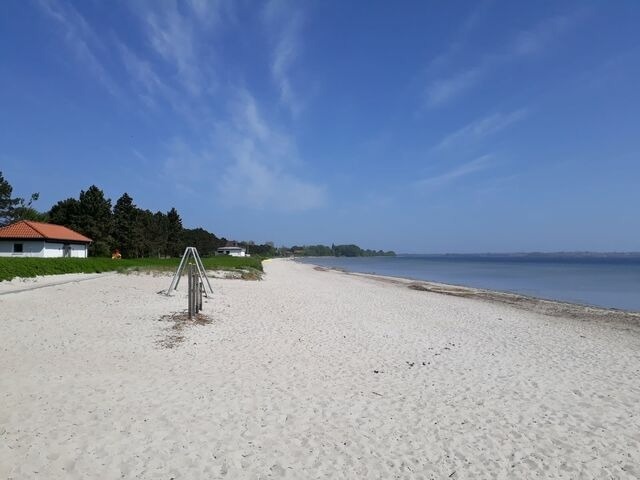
x=13 y=209
x=175 y=244
x=124 y=225
x=95 y=220
x=159 y=231
x=67 y=213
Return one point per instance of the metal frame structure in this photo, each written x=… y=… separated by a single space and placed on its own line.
x=190 y=252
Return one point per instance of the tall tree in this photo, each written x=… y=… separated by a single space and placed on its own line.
x=95 y=220
x=150 y=233
x=175 y=244
x=66 y=212
x=29 y=213
x=12 y=209
x=159 y=231
x=204 y=241
x=124 y=225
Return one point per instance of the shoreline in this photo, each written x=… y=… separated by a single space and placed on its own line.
x=528 y=303
x=540 y=304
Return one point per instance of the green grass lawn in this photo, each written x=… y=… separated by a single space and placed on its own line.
x=31 y=267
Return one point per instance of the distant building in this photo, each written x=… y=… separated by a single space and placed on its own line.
x=36 y=239
x=232 y=251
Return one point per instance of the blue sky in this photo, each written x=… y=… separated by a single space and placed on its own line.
x=414 y=126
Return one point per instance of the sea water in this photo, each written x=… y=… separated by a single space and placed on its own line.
x=600 y=281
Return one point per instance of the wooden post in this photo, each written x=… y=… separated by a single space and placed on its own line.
x=194 y=282
x=196 y=287
x=195 y=293
x=190 y=290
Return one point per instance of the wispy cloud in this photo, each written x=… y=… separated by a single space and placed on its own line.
x=182 y=34
x=151 y=88
x=443 y=90
x=250 y=163
x=284 y=23
x=211 y=12
x=262 y=162
x=81 y=39
x=171 y=34
x=460 y=38
x=538 y=38
x=140 y=156
x=142 y=73
x=525 y=43
x=228 y=143
x=481 y=163
x=481 y=128
x=176 y=65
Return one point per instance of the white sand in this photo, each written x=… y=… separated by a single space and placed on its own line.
x=282 y=384
x=34 y=283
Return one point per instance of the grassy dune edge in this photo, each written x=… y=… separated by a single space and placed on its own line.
x=31 y=267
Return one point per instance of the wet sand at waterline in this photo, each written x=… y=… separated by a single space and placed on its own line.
x=309 y=374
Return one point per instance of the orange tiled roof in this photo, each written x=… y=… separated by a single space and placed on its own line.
x=26 y=229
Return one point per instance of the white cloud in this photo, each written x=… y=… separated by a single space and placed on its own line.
x=143 y=74
x=248 y=162
x=260 y=172
x=81 y=39
x=151 y=88
x=171 y=34
x=227 y=145
x=525 y=43
x=539 y=37
x=443 y=90
x=246 y=117
x=461 y=36
x=209 y=12
x=183 y=35
x=479 y=129
x=481 y=163
x=249 y=182
x=284 y=23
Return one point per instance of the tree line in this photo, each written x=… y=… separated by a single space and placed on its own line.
x=134 y=231
x=137 y=232
x=338 y=251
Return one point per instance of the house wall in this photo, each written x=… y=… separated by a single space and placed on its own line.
x=30 y=248
x=232 y=252
x=53 y=250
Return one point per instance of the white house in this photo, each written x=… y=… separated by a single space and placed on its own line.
x=232 y=251
x=36 y=239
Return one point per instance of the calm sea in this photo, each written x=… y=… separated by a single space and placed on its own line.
x=604 y=282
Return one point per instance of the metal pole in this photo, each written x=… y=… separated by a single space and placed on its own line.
x=203 y=272
x=176 y=278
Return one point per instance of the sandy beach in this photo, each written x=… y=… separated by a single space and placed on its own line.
x=308 y=373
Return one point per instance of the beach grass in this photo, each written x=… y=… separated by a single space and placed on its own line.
x=31 y=267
